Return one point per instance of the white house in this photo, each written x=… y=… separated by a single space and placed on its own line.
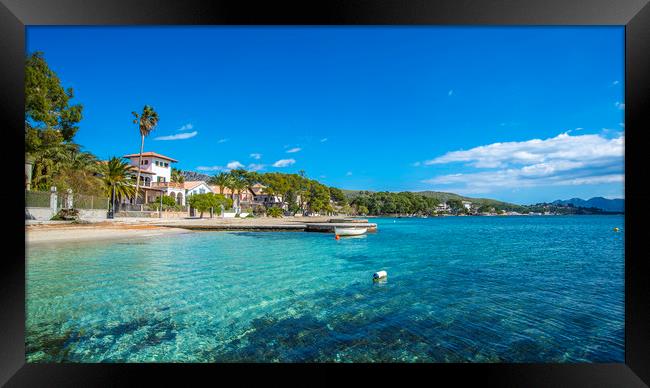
x=196 y=187
x=467 y=205
x=156 y=173
x=442 y=207
x=158 y=165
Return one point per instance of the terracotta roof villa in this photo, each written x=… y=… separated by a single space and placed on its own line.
x=150 y=154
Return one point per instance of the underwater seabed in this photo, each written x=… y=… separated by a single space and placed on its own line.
x=466 y=289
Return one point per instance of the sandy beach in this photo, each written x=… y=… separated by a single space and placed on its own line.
x=44 y=234
x=47 y=233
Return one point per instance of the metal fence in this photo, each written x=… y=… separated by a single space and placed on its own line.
x=65 y=200
x=37 y=199
x=81 y=201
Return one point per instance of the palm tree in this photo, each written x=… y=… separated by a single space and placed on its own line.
x=237 y=186
x=117 y=179
x=221 y=179
x=177 y=176
x=146 y=121
x=48 y=161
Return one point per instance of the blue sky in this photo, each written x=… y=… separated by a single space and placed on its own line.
x=521 y=114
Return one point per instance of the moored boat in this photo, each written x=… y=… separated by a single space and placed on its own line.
x=349 y=231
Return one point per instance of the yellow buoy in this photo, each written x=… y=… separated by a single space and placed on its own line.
x=616 y=229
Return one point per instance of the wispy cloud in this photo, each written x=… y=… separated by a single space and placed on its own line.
x=284 y=162
x=222 y=140
x=450 y=92
x=211 y=168
x=256 y=156
x=619 y=105
x=234 y=164
x=323 y=140
x=294 y=150
x=349 y=173
x=186 y=127
x=255 y=167
x=615 y=83
x=417 y=164
x=180 y=136
x=557 y=161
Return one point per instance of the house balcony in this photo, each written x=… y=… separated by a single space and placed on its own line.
x=164 y=185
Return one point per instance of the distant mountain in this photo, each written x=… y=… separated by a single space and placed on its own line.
x=609 y=205
x=195 y=176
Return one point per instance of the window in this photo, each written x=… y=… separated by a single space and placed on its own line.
x=156 y=163
x=201 y=191
x=166 y=164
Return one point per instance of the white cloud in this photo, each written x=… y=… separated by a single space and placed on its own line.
x=222 y=140
x=234 y=164
x=186 y=127
x=615 y=83
x=349 y=173
x=451 y=92
x=284 y=162
x=561 y=160
x=416 y=164
x=294 y=150
x=563 y=146
x=619 y=105
x=256 y=167
x=579 y=129
x=323 y=140
x=180 y=136
x=211 y=168
x=256 y=156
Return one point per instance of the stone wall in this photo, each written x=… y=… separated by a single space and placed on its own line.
x=39 y=213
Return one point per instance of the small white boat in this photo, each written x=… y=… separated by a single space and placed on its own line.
x=350 y=231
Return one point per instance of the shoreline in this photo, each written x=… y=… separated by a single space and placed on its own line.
x=105 y=230
x=58 y=234
x=65 y=232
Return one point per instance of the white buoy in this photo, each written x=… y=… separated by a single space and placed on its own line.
x=379 y=275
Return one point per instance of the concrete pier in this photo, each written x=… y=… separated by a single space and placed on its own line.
x=322 y=227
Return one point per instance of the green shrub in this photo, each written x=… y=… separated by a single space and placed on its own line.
x=274 y=212
x=66 y=215
x=167 y=201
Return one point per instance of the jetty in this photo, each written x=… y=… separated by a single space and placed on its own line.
x=267 y=225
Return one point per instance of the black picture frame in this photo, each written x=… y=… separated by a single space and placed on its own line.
x=633 y=14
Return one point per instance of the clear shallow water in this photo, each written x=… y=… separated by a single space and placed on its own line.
x=459 y=289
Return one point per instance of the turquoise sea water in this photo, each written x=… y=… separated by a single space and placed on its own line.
x=459 y=289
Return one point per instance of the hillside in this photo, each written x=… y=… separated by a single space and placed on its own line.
x=194 y=176
x=610 y=205
x=444 y=197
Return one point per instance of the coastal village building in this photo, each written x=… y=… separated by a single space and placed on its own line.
x=155 y=180
x=154 y=168
x=158 y=165
x=196 y=187
x=443 y=207
x=261 y=198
